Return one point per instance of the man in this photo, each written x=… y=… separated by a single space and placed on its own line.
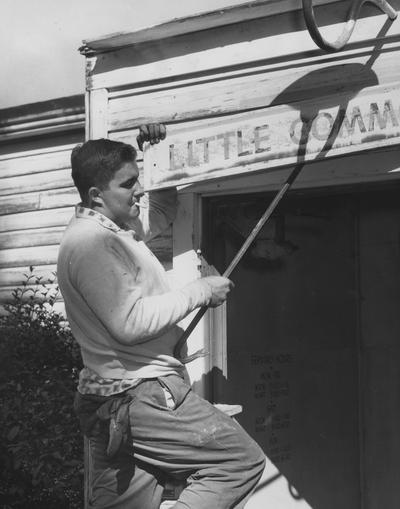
x=143 y=420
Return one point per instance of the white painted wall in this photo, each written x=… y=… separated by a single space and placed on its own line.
x=39 y=39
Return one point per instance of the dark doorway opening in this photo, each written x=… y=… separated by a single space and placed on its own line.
x=312 y=350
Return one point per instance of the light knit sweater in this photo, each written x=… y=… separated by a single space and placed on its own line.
x=118 y=301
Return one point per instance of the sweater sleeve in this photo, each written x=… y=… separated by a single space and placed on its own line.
x=109 y=283
x=157 y=213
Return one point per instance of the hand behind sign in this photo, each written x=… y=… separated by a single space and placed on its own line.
x=152 y=133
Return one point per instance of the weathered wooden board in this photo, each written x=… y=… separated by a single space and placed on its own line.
x=37 y=182
x=253 y=89
x=257 y=41
x=127 y=137
x=31 y=238
x=64 y=197
x=36 y=219
x=371 y=166
x=39 y=255
x=25 y=202
x=97 y=113
x=36 y=161
x=36 y=189
x=271 y=137
x=198 y=21
x=42 y=125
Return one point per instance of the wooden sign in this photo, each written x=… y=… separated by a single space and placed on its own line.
x=269 y=138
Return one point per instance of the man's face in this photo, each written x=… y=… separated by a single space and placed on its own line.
x=123 y=193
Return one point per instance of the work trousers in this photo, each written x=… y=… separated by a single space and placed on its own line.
x=188 y=439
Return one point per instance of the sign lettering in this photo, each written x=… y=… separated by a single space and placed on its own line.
x=274 y=136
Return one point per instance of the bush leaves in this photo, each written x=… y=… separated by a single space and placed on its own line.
x=41 y=450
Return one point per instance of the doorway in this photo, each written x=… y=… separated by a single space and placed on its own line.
x=311 y=349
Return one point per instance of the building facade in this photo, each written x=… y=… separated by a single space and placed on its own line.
x=308 y=341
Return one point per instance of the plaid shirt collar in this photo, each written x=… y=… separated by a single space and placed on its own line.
x=86 y=213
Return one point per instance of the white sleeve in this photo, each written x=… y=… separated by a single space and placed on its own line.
x=110 y=287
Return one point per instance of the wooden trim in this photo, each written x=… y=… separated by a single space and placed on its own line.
x=352 y=169
x=201 y=20
x=259 y=45
x=218 y=347
x=98 y=113
x=87 y=109
x=44 y=110
x=73 y=125
x=49 y=117
x=186 y=268
x=41 y=124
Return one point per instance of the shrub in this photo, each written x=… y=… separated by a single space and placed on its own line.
x=41 y=450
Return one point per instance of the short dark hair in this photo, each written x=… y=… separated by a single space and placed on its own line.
x=95 y=162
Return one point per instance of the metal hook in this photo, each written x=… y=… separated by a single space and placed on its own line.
x=351 y=21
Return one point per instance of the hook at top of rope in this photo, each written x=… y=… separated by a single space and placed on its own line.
x=351 y=21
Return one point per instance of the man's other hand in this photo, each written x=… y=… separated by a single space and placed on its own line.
x=152 y=133
x=220 y=287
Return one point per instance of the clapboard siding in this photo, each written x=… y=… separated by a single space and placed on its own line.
x=36 y=189
x=39 y=201
x=38 y=255
x=256 y=89
x=31 y=238
x=36 y=182
x=31 y=162
x=129 y=137
x=36 y=219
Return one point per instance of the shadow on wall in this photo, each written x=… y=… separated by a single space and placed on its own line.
x=297 y=485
